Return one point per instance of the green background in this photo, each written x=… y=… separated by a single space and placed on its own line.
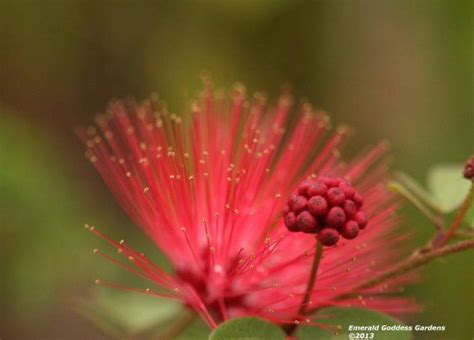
x=396 y=70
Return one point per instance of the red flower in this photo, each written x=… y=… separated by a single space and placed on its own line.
x=209 y=188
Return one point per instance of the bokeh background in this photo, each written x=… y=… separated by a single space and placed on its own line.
x=396 y=70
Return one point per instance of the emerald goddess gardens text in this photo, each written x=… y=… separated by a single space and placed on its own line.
x=396 y=328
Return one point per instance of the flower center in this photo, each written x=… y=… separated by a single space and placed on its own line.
x=328 y=207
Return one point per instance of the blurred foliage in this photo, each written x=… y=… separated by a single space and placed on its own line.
x=447 y=191
x=40 y=202
x=401 y=70
x=129 y=315
x=447 y=186
x=45 y=251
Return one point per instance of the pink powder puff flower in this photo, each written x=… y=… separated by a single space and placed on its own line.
x=209 y=188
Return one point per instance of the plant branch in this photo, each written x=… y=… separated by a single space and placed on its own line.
x=459 y=217
x=416 y=260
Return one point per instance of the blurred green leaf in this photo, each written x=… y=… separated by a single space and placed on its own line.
x=100 y=318
x=344 y=317
x=117 y=312
x=447 y=186
x=138 y=312
x=247 y=328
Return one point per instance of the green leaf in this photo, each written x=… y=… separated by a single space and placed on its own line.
x=129 y=314
x=346 y=317
x=448 y=186
x=247 y=328
x=100 y=318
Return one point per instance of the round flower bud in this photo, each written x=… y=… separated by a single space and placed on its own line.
x=297 y=204
x=317 y=189
x=361 y=218
x=317 y=206
x=306 y=223
x=290 y=221
x=347 y=189
x=335 y=196
x=330 y=182
x=328 y=236
x=336 y=217
x=469 y=169
x=357 y=198
x=350 y=208
x=350 y=230
x=303 y=188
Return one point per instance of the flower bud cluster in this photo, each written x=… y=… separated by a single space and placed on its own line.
x=328 y=207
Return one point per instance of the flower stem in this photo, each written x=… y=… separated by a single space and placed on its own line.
x=312 y=277
x=309 y=287
x=459 y=217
